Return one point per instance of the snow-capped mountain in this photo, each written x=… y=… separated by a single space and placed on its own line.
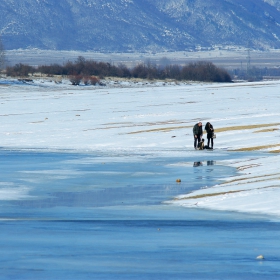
x=139 y=25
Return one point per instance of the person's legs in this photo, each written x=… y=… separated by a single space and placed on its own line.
x=195 y=142
x=212 y=143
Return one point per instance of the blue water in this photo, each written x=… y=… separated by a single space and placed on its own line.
x=101 y=216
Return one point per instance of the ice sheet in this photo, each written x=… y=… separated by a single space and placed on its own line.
x=159 y=118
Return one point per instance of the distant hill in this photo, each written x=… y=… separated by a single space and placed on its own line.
x=139 y=25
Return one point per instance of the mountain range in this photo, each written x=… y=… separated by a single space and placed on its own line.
x=139 y=25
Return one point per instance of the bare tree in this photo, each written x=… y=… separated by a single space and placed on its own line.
x=2 y=55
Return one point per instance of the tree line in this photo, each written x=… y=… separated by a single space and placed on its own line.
x=84 y=69
x=256 y=74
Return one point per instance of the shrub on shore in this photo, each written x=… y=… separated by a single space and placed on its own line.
x=94 y=80
x=19 y=70
x=89 y=70
x=75 y=79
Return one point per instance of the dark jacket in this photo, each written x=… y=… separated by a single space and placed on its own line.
x=209 y=129
x=197 y=130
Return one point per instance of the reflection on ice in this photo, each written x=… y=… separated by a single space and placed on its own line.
x=200 y=163
x=197 y=163
x=98 y=180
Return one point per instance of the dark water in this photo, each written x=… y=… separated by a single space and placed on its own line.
x=101 y=216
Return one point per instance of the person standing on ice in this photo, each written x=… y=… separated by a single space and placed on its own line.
x=210 y=133
x=197 y=133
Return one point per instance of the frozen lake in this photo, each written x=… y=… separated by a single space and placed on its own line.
x=101 y=215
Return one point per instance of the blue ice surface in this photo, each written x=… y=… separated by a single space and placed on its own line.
x=101 y=216
x=20 y=82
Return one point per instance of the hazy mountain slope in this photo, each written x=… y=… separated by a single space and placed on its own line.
x=235 y=22
x=138 y=25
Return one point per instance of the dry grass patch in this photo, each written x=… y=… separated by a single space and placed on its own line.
x=257 y=181
x=256 y=148
x=223 y=193
x=266 y=130
x=217 y=130
x=242 y=127
x=241 y=168
x=275 y=151
x=248 y=178
x=131 y=124
x=263 y=180
x=163 y=129
x=208 y=195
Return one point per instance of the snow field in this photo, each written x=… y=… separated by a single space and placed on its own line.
x=158 y=118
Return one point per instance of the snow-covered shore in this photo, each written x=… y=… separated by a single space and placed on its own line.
x=135 y=116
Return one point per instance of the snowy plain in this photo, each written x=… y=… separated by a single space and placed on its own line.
x=157 y=117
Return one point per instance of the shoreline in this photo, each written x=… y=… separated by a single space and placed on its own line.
x=251 y=191
x=245 y=115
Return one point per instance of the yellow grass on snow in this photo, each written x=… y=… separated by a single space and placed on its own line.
x=256 y=148
x=242 y=127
